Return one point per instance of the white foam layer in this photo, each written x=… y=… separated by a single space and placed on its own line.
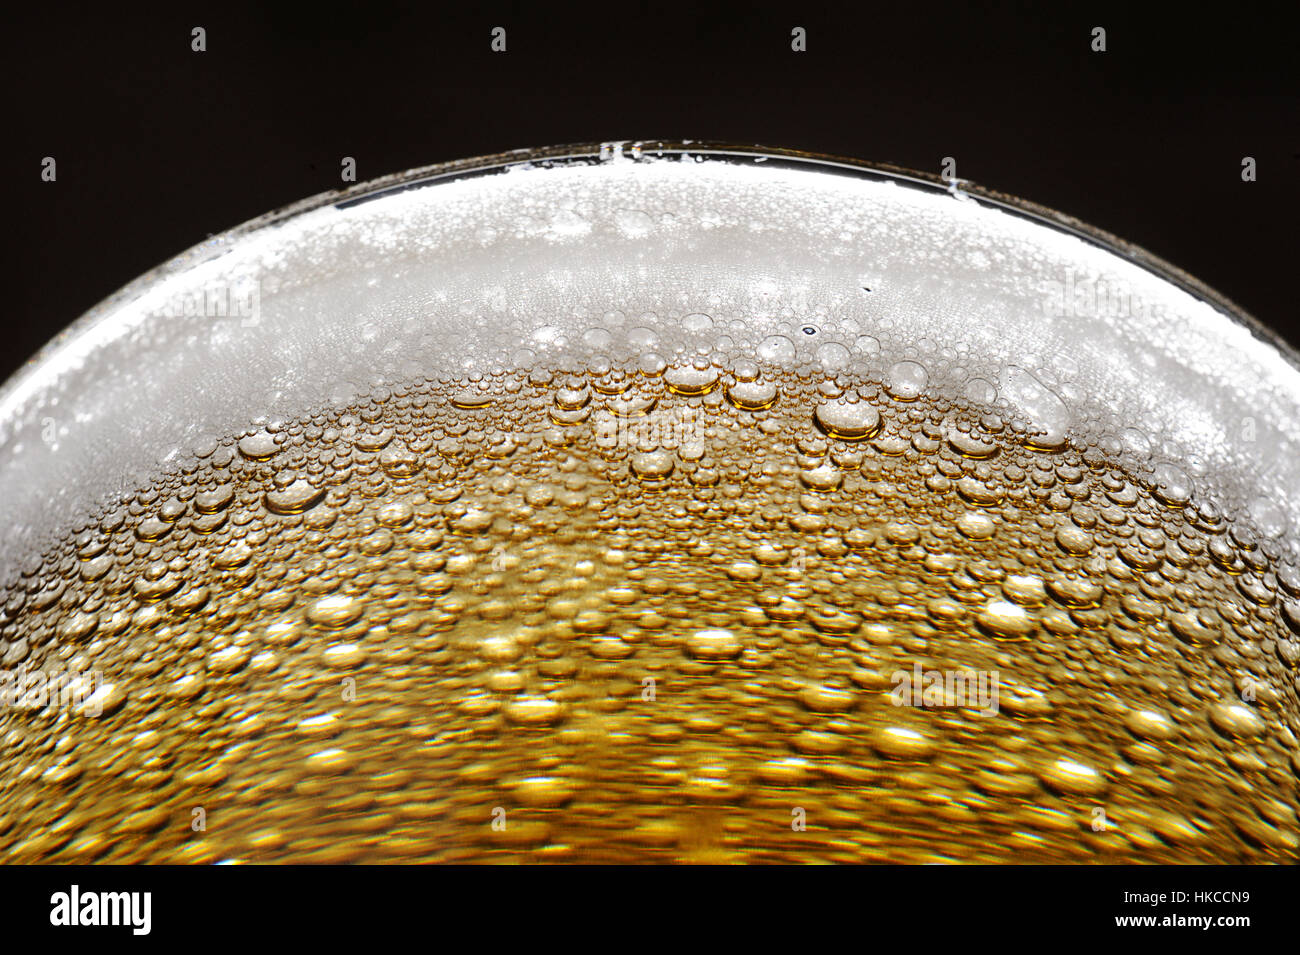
x=736 y=258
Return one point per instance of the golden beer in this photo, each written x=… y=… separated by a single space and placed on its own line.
x=666 y=592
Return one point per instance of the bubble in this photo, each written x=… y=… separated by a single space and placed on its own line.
x=1136 y=441
x=187 y=686
x=1073 y=778
x=345 y=655
x=476 y=520
x=214 y=499
x=294 y=499
x=1074 y=592
x=820 y=698
x=752 y=395
x=105 y=700
x=981 y=391
x=1150 y=724
x=691 y=381
x=633 y=407
x=786 y=772
x=534 y=711
x=653 y=465
x=652 y=364
x=1236 y=720
x=334 y=612
x=152 y=529
x=374 y=440
x=78 y=627
x=777 y=350
x=258 y=446
x=546 y=792
x=1006 y=775
x=470 y=400
x=398 y=461
x=744 y=570
x=573 y=398
x=1073 y=540
x=904 y=743
x=1025 y=589
x=1048 y=415
x=833 y=356
x=906 y=380
x=977 y=492
x=228 y=659
x=395 y=514
x=866 y=346
x=824 y=478
x=1188 y=628
x=714 y=645
x=847 y=421
x=1005 y=621
x=642 y=338
x=976 y=526
x=1172 y=486
x=331 y=760
x=968 y=446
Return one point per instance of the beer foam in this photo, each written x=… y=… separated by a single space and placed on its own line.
x=797 y=264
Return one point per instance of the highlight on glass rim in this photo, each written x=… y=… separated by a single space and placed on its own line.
x=653 y=503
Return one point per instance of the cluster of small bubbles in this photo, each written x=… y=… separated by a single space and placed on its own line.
x=645 y=598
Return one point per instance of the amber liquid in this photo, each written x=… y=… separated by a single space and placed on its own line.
x=627 y=616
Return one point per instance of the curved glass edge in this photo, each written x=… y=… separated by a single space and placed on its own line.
x=648 y=150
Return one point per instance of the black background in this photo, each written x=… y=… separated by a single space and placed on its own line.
x=333 y=908
x=159 y=147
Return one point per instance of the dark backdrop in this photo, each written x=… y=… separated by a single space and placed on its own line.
x=159 y=147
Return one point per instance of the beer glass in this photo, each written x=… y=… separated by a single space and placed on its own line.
x=653 y=502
